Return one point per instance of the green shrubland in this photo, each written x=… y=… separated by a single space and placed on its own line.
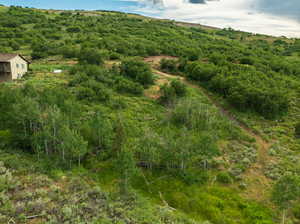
x=87 y=146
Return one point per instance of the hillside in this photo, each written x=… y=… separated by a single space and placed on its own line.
x=150 y=121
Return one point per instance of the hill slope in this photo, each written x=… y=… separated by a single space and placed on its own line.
x=126 y=134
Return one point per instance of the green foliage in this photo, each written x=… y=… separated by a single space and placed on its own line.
x=236 y=84
x=39 y=51
x=44 y=122
x=98 y=131
x=74 y=200
x=69 y=51
x=127 y=165
x=197 y=127
x=169 y=65
x=90 y=56
x=247 y=60
x=201 y=71
x=82 y=118
x=172 y=91
x=127 y=86
x=224 y=178
x=296 y=211
x=286 y=190
x=297 y=130
x=74 y=29
x=137 y=71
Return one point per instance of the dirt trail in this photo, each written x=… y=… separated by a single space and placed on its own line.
x=257 y=183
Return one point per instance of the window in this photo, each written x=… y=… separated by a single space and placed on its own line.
x=23 y=66
x=17 y=65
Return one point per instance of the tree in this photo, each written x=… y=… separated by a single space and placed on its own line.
x=72 y=144
x=127 y=166
x=100 y=134
x=285 y=191
x=120 y=137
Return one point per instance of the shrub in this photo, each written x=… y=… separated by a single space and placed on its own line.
x=73 y=29
x=92 y=90
x=38 y=53
x=127 y=86
x=192 y=54
x=114 y=56
x=85 y=93
x=138 y=71
x=224 y=178
x=247 y=60
x=196 y=115
x=5 y=138
x=90 y=56
x=169 y=65
x=170 y=92
x=14 y=45
x=69 y=52
x=179 y=87
x=297 y=130
x=296 y=211
x=87 y=71
x=201 y=71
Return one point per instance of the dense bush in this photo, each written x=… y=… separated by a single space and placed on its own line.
x=137 y=71
x=297 y=130
x=69 y=51
x=172 y=91
x=169 y=65
x=201 y=71
x=236 y=84
x=224 y=178
x=90 y=56
x=128 y=86
x=296 y=211
x=262 y=98
x=39 y=51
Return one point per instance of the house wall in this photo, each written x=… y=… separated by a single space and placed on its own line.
x=18 y=67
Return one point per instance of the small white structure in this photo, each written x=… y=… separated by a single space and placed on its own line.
x=12 y=66
x=57 y=71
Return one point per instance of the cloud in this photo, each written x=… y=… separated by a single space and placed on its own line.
x=287 y=8
x=258 y=16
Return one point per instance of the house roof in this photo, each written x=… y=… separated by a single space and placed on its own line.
x=4 y=57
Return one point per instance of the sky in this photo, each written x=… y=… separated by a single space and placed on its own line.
x=273 y=17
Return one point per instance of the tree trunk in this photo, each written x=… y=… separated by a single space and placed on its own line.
x=283 y=216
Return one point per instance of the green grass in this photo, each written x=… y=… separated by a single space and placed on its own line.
x=3 y=9
x=37 y=67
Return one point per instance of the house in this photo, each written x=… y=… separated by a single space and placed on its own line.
x=12 y=66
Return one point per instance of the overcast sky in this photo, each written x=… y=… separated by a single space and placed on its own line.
x=274 y=17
